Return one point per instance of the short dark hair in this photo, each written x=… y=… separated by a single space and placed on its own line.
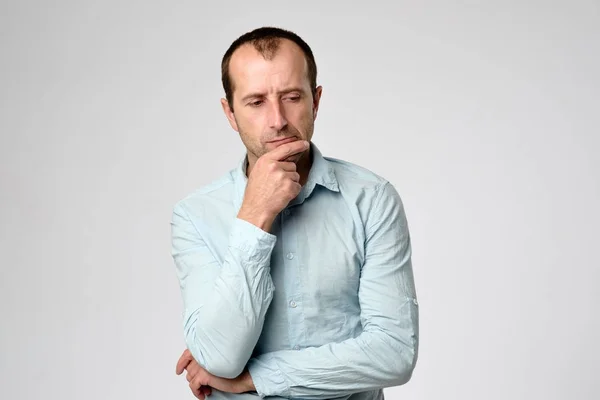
x=266 y=41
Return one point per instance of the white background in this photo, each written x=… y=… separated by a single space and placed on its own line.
x=484 y=115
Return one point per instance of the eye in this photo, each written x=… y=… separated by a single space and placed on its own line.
x=255 y=103
x=293 y=98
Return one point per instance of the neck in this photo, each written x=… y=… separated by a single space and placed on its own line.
x=303 y=166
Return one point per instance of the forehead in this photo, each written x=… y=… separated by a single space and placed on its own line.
x=250 y=71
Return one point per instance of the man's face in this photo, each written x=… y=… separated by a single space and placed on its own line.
x=272 y=99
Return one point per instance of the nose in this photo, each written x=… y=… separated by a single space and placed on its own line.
x=276 y=116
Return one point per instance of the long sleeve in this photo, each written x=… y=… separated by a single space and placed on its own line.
x=385 y=353
x=224 y=302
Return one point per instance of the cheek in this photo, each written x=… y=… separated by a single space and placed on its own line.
x=300 y=115
x=251 y=122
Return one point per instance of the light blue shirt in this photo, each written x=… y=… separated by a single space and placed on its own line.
x=323 y=306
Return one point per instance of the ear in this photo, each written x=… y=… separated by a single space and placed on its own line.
x=316 y=100
x=229 y=114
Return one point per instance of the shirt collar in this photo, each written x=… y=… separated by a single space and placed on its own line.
x=321 y=173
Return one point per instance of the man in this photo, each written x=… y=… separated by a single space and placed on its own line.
x=295 y=269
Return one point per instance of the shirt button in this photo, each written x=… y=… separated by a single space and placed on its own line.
x=293 y=304
x=286 y=212
x=296 y=347
x=415 y=301
x=290 y=256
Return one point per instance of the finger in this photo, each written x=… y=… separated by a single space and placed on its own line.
x=198 y=394
x=206 y=390
x=183 y=361
x=195 y=387
x=288 y=149
x=193 y=367
x=287 y=166
x=294 y=176
x=296 y=187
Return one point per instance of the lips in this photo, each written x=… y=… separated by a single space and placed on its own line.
x=284 y=140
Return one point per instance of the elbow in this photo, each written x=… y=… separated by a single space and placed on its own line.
x=221 y=350
x=405 y=342
x=224 y=368
x=405 y=365
x=403 y=375
x=399 y=353
x=225 y=361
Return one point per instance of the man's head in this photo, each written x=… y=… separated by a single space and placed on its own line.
x=269 y=77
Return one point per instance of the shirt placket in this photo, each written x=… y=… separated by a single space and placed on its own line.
x=292 y=262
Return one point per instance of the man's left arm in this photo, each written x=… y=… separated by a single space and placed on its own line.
x=385 y=353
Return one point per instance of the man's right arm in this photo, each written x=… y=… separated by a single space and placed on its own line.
x=224 y=304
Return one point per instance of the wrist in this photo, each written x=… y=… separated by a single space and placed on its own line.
x=247 y=382
x=261 y=219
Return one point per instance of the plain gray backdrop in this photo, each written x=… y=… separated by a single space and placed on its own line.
x=484 y=115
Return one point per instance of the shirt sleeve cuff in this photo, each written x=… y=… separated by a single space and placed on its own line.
x=252 y=240
x=267 y=377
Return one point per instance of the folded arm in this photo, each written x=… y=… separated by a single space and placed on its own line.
x=224 y=302
x=385 y=353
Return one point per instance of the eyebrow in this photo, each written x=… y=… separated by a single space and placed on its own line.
x=284 y=91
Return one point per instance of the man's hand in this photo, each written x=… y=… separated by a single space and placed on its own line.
x=272 y=184
x=187 y=362
x=202 y=382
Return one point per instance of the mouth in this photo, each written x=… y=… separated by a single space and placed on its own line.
x=284 y=140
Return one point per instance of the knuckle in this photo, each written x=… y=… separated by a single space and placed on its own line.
x=291 y=187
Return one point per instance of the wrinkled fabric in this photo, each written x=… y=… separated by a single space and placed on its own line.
x=321 y=307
